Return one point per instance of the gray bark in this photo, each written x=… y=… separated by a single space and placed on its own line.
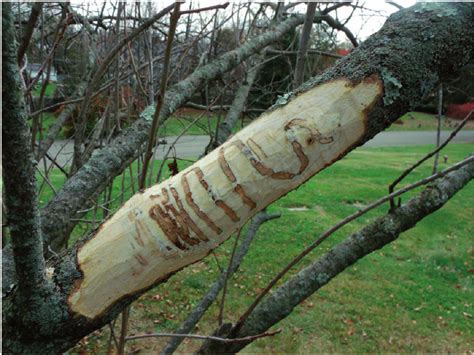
x=224 y=130
x=303 y=45
x=376 y=235
x=21 y=198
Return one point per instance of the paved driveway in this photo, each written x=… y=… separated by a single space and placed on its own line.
x=193 y=146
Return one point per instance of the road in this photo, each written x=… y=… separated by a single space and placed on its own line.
x=193 y=146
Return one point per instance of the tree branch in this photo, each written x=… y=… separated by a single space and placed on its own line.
x=36 y=9
x=376 y=235
x=21 y=198
x=426 y=157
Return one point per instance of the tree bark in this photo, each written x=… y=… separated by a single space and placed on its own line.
x=21 y=198
x=178 y=222
x=225 y=128
x=298 y=78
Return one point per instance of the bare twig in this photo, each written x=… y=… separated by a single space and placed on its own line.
x=303 y=45
x=427 y=156
x=36 y=10
x=205 y=337
x=220 y=6
x=226 y=278
x=80 y=124
x=161 y=95
x=438 y=129
x=208 y=299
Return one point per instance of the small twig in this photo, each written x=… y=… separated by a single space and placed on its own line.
x=339 y=225
x=123 y=331
x=226 y=279
x=438 y=130
x=426 y=157
x=45 y=179
x=205 y=337
x=221 y=6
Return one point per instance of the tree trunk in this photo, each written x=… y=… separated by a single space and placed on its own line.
x=178 y=222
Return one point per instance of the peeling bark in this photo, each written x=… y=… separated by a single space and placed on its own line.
x=179 y=221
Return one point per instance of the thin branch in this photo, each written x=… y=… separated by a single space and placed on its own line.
x=161 y=95
x=427 y=156
x=309 y=51
x=220 y=318
x=374 y=236
x=80 y=126
x=438 y=129
x=63 y=26
x=221 y=6
x=208 y=299
x=338 y=226
x=303 y=45
x=205 y=337
x=36 y=10
x=338 y=26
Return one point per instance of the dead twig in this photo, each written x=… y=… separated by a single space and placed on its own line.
x=427 y=156
x=205 y=337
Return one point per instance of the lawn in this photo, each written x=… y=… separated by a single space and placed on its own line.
x=415 y=295
x=420 y=121
x=49 y=92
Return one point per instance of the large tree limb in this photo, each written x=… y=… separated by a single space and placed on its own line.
x=181 y=220
x=178 y=222
x=376 y=235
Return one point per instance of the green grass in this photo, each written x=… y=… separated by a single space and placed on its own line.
x=50 y=89
x=198 y=124
x=420 y=121
x=415 y=295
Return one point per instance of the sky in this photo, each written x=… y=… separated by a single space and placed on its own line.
x=362 y=24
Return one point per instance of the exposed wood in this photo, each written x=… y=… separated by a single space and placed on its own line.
x=181 y=220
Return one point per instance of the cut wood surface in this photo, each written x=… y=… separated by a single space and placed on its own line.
x=176 y=223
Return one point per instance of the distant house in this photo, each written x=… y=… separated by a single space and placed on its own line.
x=343 y=51
x=34 y=68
